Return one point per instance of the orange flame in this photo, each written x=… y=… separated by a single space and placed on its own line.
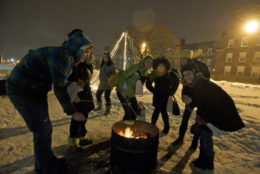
x=128 y=133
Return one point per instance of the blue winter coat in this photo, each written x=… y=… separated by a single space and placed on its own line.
x=41 y=68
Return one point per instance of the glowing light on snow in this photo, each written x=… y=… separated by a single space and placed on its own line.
x=251 y=26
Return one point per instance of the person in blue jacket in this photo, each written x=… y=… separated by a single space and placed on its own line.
x=29 y=83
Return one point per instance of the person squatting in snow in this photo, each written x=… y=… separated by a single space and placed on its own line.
x=107 y=69
x=126 y=89
x=186 y=97
x=165 y=85
x=79 y=91
x=215 y=111
x=27 y=88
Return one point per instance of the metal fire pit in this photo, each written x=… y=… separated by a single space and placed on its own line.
x=137 y=154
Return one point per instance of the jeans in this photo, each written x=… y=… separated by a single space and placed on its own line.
x=131 y=111
x=107 y=96
x=206 y=141
x=36 y=117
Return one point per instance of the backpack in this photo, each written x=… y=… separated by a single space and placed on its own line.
x=113 y=80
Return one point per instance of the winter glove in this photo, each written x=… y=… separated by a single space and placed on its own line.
x=73 y=89
x=215 y=131
x=143 y=78
x=78 y=116
x=186 y=99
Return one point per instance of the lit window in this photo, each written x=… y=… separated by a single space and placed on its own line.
x=231 y=43
x=227 y=70
x=255 y=71
x=229 y=57
x=191 y=53
x=208 y=62
x=210 y=51
x=242 y=57
x=257 y=56
x=244 y=42
x=240 y=70
x=200 y=52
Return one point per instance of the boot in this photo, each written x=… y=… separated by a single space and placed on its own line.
x=108 y=108
x=99 y=106
x=84 y=141
x=73 y=142
x=204 y=162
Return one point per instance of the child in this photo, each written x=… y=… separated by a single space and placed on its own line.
x=81 y=97
x=215 y=110
x=166 y=84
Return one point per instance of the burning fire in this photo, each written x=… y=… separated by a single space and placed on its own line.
x=129 y=133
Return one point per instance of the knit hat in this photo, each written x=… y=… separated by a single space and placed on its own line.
x=78 y=42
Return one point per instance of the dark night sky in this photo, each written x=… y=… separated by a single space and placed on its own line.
x=26 y=24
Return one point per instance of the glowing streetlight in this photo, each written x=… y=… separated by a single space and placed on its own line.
x=144 y=45
x=251 y=26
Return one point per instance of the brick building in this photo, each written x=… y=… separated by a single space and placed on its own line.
x=204 y=51
x=238 y=58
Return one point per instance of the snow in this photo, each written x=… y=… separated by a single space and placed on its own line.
x=235 y=153
x=6 y=67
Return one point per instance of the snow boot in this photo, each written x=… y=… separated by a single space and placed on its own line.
x=204 y=162
x=73 y=142
x=84 y=141
x=99 y=106
x=108 y=108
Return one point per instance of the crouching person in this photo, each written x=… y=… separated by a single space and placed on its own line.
x=165 y=85
x=127 y=87
x=27 y=88
x=81 y=97
x=215 y=111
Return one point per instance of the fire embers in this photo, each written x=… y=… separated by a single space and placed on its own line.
x=136 y=143
x=130 y=133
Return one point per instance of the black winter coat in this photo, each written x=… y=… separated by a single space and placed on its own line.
x=215 y=106
x=164 y=87
x=81 y=71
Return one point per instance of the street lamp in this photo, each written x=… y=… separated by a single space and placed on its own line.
x=251 y=26
x=144 y=49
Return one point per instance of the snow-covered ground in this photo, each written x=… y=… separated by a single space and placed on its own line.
x=6 y=67
x=235 y=153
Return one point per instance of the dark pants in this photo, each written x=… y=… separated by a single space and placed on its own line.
x=163 y=110
x=77 y=128
x=184 y=123
x=130 y=106
x=36 y=117
x=206 y=141
x=107 y=96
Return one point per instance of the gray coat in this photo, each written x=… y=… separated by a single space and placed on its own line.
x=105 y=73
